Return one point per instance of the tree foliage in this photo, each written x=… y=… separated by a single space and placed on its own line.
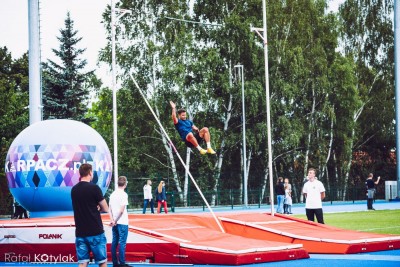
x=13 y=113
x=368 y=39
x=328 y=78
x=65 y=85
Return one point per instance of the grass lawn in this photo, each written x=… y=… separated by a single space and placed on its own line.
x=378 y=221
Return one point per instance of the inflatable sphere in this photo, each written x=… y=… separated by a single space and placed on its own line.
x=42 y=164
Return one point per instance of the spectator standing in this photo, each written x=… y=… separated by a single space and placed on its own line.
x=87 y=203
x=161 y=197
x=280 y=194
x=314 y=192
x=19 y=211
x=370 y=183
x=120 y=222
x=287 y=206
x=148 y=197
x=302 y=197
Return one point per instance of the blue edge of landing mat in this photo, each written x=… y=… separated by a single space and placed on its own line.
x=388 y=258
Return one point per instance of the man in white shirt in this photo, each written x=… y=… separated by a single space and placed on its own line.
x=119 y=214
x=148 y=197
x=314 y=191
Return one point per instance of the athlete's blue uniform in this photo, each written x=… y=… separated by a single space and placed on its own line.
x=184 y=127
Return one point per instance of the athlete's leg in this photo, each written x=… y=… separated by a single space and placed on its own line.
x=204 y=133
x=191 y=139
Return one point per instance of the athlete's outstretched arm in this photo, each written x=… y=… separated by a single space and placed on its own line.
x=174 y=118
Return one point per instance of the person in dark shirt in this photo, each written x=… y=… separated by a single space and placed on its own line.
x=87 y=203
x=189 y=133
x=280 y=194
x=370 y=183
x=19 y=211
x=161 y=196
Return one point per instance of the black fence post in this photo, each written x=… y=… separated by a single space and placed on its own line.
x=188 y=194
x=231 y=196
x=173 y=202
x=204 y=208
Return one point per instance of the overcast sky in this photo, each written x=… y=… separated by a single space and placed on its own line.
x=87 y=16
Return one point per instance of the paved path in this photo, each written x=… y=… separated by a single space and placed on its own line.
x=346 y=206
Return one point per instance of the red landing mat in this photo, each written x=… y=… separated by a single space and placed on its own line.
x=316 y=238
x=154 y=238
x=201 y=241
x=42 y=240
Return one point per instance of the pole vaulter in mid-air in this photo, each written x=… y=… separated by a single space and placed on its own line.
x=180 y=158
x=189 y=133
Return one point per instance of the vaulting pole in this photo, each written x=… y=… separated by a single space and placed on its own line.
x=173 y=146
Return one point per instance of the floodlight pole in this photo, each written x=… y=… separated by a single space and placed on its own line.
x=264 y=38
x=114 y=87
x=35 y=85
x=244 y=138
x=397 y=88
x=114 y=93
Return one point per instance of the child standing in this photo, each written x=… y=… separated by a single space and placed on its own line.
x=287 y=206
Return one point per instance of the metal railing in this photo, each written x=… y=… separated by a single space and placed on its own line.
x=235 y=198
x=227 y=198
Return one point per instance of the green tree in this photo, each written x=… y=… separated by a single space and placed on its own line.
x=65 y=85
x=14 y=112
x=195 y=62
x=187 y=53
x=367 y=38
x=159 y=53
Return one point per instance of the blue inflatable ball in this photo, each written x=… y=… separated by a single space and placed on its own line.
x=42 y=164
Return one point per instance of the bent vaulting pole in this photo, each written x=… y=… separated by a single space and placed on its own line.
x=183 y=163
